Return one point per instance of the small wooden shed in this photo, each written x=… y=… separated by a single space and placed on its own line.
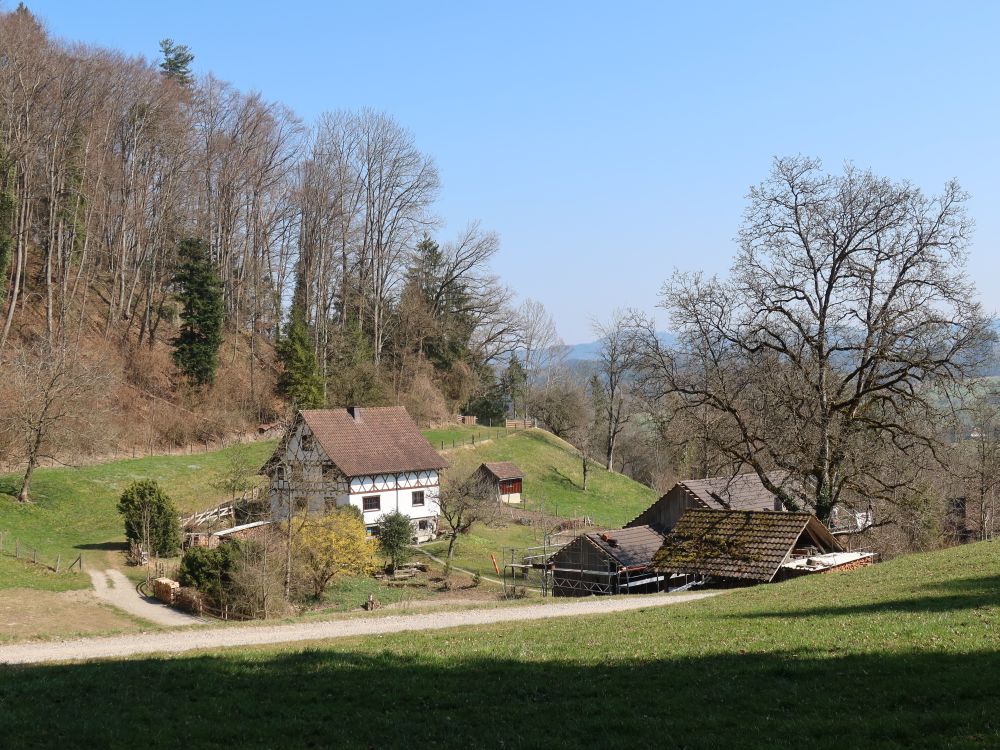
x=607 y=562
x=506 y=478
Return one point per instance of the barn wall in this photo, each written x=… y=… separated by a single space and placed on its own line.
x=581 y=556
x=666 y=511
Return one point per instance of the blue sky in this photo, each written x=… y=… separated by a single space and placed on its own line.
x=611 y=143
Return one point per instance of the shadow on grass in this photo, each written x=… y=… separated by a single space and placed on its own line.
x=957 y=594
x=104 y=546
x=336 y=699
x=564 y=479
x=9 y=485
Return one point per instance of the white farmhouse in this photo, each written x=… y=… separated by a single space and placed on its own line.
x=373 y=458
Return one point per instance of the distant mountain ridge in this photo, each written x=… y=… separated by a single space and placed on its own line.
x=590 y=351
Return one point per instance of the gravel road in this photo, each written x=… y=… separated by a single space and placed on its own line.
x=229 y=637
x=122 y=594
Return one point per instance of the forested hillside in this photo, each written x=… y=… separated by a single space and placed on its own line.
x=180 y=259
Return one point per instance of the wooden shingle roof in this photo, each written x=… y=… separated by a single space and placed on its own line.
x=630 y=547
x=372 y=440
x=504 y=470
x=748 y=545
x=741 y=492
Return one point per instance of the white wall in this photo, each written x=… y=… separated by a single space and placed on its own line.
x=395 y=491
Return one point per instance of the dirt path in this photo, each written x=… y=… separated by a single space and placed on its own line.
x=114 y=588
x=228 y=637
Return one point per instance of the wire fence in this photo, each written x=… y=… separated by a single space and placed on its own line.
x=12 y=546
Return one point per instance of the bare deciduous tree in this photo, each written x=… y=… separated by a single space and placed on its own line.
x=846 y=318
x=616 y=362
x=53 y=406
x=462 y=503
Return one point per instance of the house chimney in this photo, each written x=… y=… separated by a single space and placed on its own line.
x=355 y=412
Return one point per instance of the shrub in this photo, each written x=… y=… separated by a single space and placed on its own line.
x=395 y=534
x=210 y=571
x=150 y=518
x=332 y=545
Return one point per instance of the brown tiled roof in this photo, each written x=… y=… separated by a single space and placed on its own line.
x=748 y=545
x=741 y=492
x=504 y=470
x=629 y=547
x=381 y=440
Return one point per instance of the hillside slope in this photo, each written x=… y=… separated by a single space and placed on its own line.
x=553 y=478
x=553 y=483
x=75 y=508
x=75 y=511
x=903 y=654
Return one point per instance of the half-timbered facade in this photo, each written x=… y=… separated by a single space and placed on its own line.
x=374 y=459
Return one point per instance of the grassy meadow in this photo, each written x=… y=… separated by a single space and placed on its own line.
x=903 y=654
x=74 y=508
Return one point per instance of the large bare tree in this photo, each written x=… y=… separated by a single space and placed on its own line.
x=52 y=409
x=616 y=361
x=826 y=353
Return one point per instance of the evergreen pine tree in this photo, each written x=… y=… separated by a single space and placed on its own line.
x=301 y=380
x=177 y=59
x=196 y=347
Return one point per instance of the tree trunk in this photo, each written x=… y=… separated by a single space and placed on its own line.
x=451 y=551
x=23 y=495
x=586 y=470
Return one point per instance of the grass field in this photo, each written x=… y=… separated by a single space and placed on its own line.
x=74 y=509
x=554 y=478
x=904 y=654
x=472 y=552
x=554 y=483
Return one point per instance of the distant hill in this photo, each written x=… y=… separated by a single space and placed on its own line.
x=589 y=351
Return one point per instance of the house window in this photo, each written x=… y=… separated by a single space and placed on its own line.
x=279 y=473
x=330 y=502
x=418 y=499
x=422 y=525
x=372 y=530
x=372 y=502
x=307 y=442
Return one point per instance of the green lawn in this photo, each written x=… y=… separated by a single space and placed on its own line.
x=472 y=552
x=553 y=482
x=74 y=508
x=15 y=574
x=905 y=654
x=554 y=478
x=445 y=438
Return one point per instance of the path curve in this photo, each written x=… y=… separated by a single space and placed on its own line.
x=121 y=593
x=242 y=635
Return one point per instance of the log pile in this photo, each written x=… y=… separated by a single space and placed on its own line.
x=165 y=589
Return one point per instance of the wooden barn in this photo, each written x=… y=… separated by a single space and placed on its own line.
x=740 y=492
x=505 y=477
x=746 y=547
x=609 y=562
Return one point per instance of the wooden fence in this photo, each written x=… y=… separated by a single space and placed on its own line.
x=521 y=424
x=11 y=546
x=484 y=433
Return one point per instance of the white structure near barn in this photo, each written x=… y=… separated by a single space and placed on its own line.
x=372 y=458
